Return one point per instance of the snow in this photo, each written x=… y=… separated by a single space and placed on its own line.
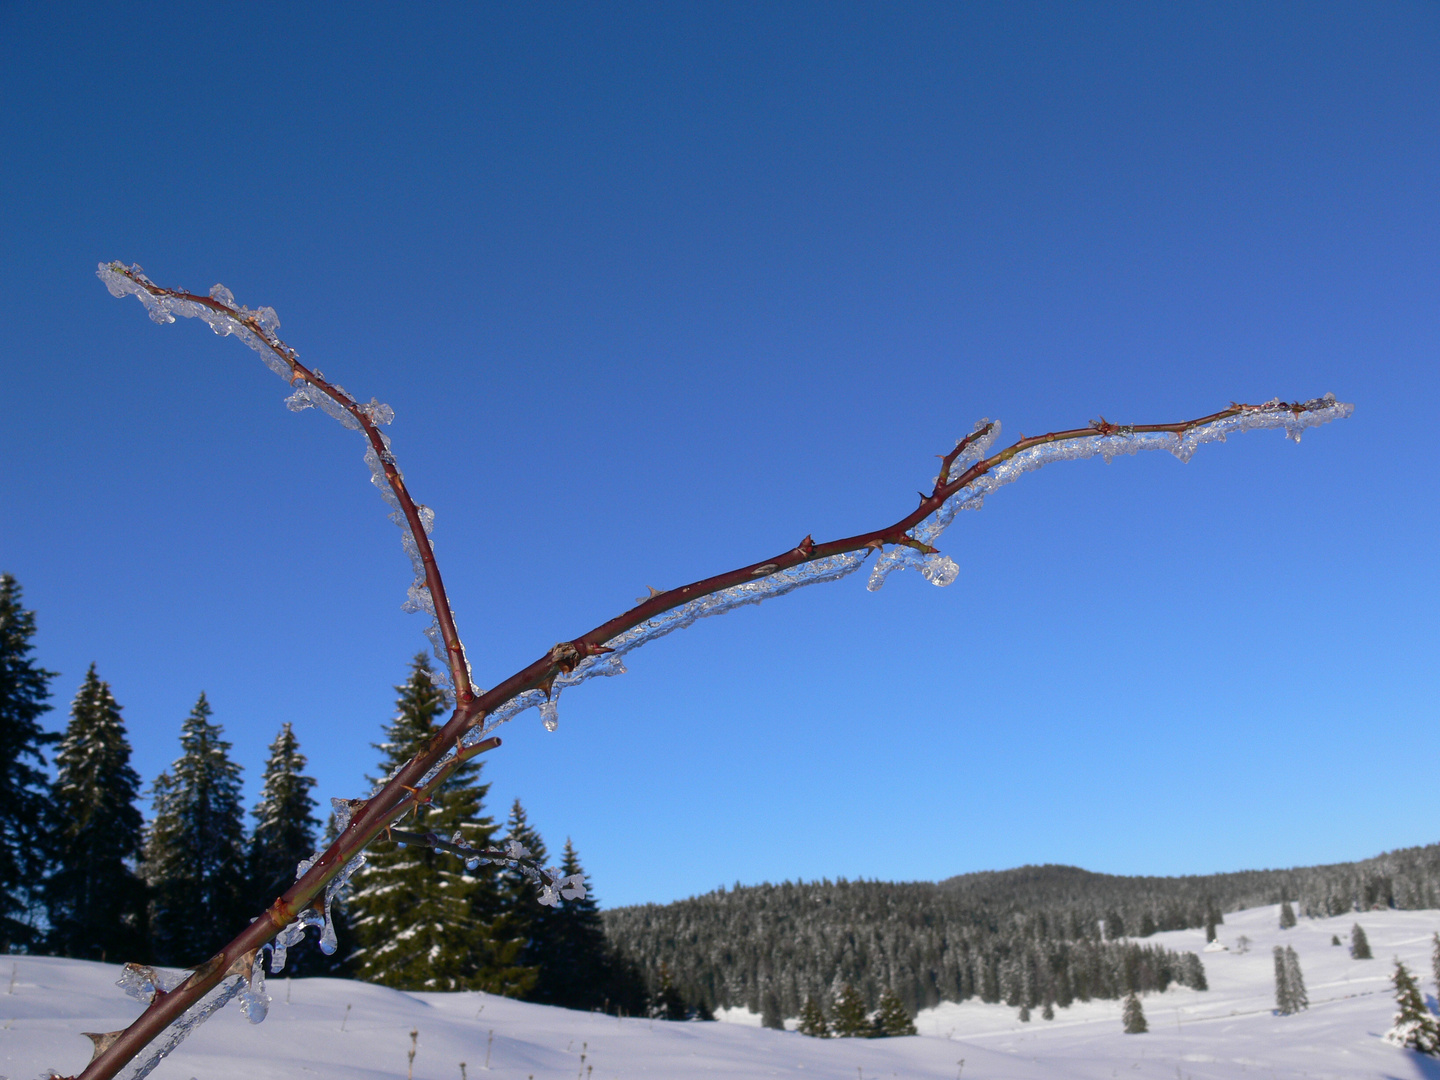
x=1229 y=1031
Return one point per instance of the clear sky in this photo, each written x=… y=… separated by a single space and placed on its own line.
x=656 y=290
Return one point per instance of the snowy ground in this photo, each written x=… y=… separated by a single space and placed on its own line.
x=350 y=1031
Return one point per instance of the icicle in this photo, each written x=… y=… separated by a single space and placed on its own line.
x=254 y=1001
x=549 y=713
x=328 y=941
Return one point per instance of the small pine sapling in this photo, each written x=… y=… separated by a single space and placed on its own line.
x=1360 y=944
x=1134 y=1015
x=892 y=1018
x=812 y=1020
x=967 y=474
x=1335 y=939
x=1287 y=915
x=849 y=1019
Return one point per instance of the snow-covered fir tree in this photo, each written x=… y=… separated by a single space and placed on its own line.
x=1435 y=960
x=812 y=1020
x=24 y=686
x=892 y=1018
x=848 y=1017
x=421 y=920
x=94 y=898
x=1134 y=1016
x=195 y=847
x=1287 y=915
x=1360 y=944
x=770 y=1014
x=285 y=822
x=1413 y=1026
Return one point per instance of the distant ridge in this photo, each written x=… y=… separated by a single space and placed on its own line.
x=1024 y=936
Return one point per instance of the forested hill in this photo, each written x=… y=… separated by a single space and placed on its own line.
x=1024 y=936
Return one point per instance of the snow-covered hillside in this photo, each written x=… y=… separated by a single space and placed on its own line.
x=351 y=1031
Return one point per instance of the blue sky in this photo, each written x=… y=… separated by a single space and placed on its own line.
x=656 y=290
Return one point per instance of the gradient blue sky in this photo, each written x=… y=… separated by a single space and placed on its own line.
x=656 y=290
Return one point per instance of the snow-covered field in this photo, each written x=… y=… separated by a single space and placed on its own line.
x=351 y=1031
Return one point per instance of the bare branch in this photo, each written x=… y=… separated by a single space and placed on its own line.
x=599 y=650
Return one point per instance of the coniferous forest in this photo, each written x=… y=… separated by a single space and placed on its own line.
x=84 y=874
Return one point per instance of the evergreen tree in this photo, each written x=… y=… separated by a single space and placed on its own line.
x=848 y=1018
x=284 y=835
x=1287 y=915
x=1335 y=939
x=24 y=686
x=1024 y=1014
x=575 y=963
x=194 y=852
x=1299 y=999
x=667 y=1002
x=285 y=821
x=94 y=898
x=1282 y=985
x=812 y=1020
x=1048 y=1013
x=1360 y=944
x=1413 y=1026
x=1435 y=961
x=531 y=922
x=770 y=1014
x=421 y=920
x=892 y=1018
x=1134 y=1016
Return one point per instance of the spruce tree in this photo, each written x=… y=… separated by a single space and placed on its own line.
x=1282 y=983
x=892 y=1017
x=1297 y=999
x=667 y=1003
x=1048 y=1013
x=421 y=919
x=195 y=848
x=1435 y=961
x=1134 y=1016
x=285 y=826
x=575 y=963
x=94 y=898
x=529 y=921
x=1413 y=1026
x=1287 y=915
x=1360 y=944
x=812 y=1020
x=848 y=1018
x=24 y=686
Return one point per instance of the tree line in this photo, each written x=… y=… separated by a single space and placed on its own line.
x=82 y=874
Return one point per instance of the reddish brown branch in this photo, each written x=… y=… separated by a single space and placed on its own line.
x=405 y=789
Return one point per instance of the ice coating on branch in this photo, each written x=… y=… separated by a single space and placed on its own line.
x=1293 y=419
x=550 y=713
x=140 y=981
x=176 y=1033
x=831 y=568
x=125 y=281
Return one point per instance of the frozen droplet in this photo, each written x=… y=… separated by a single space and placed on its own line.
x=300 y=400
x=269 y=321
x=254 y=1001
x=940 y=570
x=472 y=864
x=549 y=713
x=377 y=412
x=222 y=294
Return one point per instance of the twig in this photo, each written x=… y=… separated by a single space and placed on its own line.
x=418 y=779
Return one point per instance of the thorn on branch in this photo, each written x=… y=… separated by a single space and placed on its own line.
x=103 y=1040
x=806 y=546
